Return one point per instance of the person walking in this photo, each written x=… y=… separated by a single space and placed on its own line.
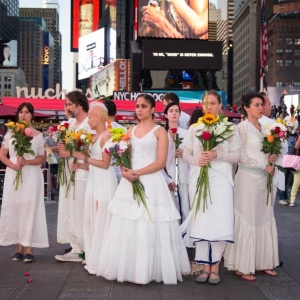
x=23 y=217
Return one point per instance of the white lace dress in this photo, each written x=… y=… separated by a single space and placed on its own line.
x=255 y=241
x=100 y=189
x=136 y=249
x=23 y=217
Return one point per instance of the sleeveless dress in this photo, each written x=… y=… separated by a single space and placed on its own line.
x=23 y=217
x=136 y=249
x=100 y=189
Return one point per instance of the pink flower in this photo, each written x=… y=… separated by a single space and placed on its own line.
x=206 y=135
x=26 y=274
x=30 y=280
x=28 y=131
x=281 y=134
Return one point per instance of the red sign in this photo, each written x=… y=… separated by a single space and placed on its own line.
x=85 y=16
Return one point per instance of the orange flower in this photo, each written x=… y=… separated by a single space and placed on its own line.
x=292 y=118
x=21 y=126
x=126 y=137
x=77 y=137
x=108 y=127
x=270 y=138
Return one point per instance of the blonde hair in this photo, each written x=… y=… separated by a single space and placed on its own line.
x=99 y=104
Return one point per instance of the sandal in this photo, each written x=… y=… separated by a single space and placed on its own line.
x=216 y=280
x=268 y=272
x=247 y=277
x=202 y=279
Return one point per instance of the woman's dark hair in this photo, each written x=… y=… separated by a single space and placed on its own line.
x=196 y=114
x=28 y=105
x=149 y=99
x=166 y=112
x=79 y=98
x=247 y=100
x=111 y=107
x=212 y=93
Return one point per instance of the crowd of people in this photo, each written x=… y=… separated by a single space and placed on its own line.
x=111 y=234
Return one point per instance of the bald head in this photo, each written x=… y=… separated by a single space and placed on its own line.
x=99 y=110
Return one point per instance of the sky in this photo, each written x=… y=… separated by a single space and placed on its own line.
x=65 y=27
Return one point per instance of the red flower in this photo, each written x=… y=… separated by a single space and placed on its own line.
x=277 y=130
x=66 y=125
x=53 y=129
x=173 y=130
x=79 y=143
x=106 y=151
x=206 y=135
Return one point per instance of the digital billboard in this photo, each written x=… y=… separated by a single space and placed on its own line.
x=181 y=55
x=84 y=19
x=91 y=54
x=172 y=19
x=8 y=53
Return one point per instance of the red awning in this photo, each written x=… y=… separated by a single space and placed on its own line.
x=9 y=111
x=227 y=113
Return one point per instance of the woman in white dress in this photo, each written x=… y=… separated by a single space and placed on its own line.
x=255 y=243
x=213 y=229
x=172 y=114
x=137 y=249
x=101 y=186
x=23 y=218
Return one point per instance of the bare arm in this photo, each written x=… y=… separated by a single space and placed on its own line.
x=6 y=161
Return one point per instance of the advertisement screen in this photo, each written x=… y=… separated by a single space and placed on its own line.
x=172 y=19
x=8 y=53
x=181 y=55
x=84 y=19
x=91 y=54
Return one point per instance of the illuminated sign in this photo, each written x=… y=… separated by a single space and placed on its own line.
x=84 y=19
x=171 y=19
x=46 y=56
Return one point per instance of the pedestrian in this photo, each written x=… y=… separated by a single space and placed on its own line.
x=101 y=186
x=196 y=114
x=180 y=190
x=137 y=249
x=77 y=107
x=255 y=246
x=212 y=229
x=23 y=217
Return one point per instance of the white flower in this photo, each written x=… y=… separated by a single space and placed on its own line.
x=219 y=128
x=83 y=137
x=123 y=145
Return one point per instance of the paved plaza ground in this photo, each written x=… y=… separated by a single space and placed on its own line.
x=67 y=280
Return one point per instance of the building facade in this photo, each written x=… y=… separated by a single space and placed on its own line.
x=245 y=50
x=212 y=22
x=9 y=79
x=283 y=58
x=9 y=19
x=51 y=17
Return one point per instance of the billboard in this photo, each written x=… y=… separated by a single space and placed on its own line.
x=181 y=55
x=91 y=54
x=172 y=19
x=84 y=19
x=115 y=76
x=8 y=53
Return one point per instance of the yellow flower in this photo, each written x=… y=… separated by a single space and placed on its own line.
x=21 y=126
x=10 y=124
x=270 y=138
x=210 y=119
x=279 y=120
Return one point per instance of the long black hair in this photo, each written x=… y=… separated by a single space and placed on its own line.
x=166 y=112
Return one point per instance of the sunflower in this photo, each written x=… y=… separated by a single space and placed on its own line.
x=210 y=119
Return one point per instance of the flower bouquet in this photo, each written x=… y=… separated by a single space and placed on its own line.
x=76 y=140
x=271 y=144
x=119 y=146
x=59 y=133
x=21 y=134
x=210 y=131
x=291 y=124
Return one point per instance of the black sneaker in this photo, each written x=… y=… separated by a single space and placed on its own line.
x=28 y=258
x=17 y=256
x=68 y=250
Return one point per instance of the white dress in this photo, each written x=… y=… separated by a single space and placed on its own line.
x=217 y=222
x=100 y=189
x=23 y=217
x=136 y=249
x=255 y=241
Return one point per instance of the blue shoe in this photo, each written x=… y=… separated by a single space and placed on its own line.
x=18 y=256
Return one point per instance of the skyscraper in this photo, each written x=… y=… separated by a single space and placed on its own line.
x=9 y=19
x=50 y=13
x=212 y=22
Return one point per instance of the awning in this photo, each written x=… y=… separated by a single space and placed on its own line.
x=9 y=111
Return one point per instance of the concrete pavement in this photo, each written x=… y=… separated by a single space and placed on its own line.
x=67 y=280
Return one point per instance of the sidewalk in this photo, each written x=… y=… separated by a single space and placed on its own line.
x=67 y=280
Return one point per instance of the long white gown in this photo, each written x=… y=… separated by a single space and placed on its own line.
x=100 y=189
x=136 y=249
x=217 y=222
x=255 y=241
x=23 y=217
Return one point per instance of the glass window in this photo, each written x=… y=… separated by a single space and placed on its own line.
x=296 y=83
x=297 y=42
x=288 y=83
x=297 y=53
x=297 y=63
x=279 y=41
x=278 y=84
x=288 y=51
x=288 y=63
x=279 y=63
x=289 y=41
x=279 y=52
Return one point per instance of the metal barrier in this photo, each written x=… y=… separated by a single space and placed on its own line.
x=47 y=184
